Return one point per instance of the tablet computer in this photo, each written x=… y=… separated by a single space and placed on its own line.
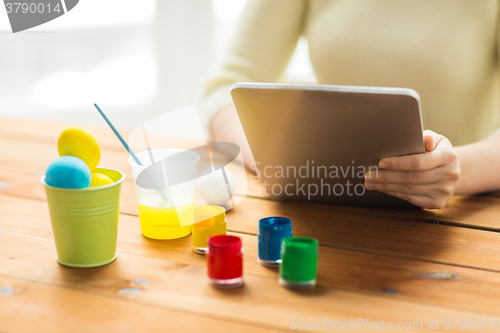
x=316 y=142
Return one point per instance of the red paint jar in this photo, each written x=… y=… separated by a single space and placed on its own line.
x=225 y=261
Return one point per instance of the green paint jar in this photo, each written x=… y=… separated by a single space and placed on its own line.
x=300 y=261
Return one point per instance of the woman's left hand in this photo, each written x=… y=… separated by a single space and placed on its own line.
x=427 y=180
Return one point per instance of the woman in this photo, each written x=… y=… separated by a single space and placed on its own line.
x=446 y=50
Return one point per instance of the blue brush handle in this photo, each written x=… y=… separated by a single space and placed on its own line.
x=124 y=143
x=164 y=197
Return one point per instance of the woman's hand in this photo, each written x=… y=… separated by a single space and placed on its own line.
x=427 y=180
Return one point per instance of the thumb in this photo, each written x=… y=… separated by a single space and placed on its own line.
x=431 y=140
x=429 y=143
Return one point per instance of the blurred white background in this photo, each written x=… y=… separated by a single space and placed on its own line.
x=136 y=59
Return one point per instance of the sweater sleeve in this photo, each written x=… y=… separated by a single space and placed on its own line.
x=260 y=49
x=497 y=131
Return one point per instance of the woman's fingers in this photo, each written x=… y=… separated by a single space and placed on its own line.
x=430 y=190
x=409 y=177
x=416 y=162
x=437 y=153
x=420 y=200
x=410 y=189
x=427 y=180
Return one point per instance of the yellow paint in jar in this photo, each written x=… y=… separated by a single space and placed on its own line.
x=163 y=222
x=208 y=221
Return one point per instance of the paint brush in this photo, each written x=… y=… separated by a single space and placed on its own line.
x=124 y=143
x=127 y=147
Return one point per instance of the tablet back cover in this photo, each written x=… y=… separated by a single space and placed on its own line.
x=332 y=134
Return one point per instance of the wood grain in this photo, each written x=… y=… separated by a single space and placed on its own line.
x=338 y=268
x=347 y=229
x=478 y=212
x=183 y=288
x=44 y=308
x=378 y=234
x=18 y=137
x=375 y=263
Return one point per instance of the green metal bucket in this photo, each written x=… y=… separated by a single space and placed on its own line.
x=85 y=221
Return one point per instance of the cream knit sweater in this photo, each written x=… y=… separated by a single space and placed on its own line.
x=447 y=50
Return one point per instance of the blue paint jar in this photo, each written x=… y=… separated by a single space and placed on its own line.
x=271 y=231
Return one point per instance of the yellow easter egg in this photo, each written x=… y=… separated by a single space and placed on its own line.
x=79 y=142
x=98 y=179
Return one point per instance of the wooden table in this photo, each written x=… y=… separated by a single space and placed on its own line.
x=390 y=265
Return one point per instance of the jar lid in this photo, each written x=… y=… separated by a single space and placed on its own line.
x=224 y=245
x=299 y=246
x=209 y=214
x=275 y=225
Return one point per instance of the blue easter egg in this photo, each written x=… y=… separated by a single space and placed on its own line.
x=68 y=172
